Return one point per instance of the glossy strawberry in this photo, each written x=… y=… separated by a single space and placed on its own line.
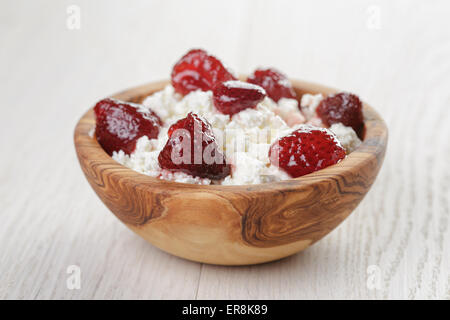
x=231 y=97
x=306 y=150
x=343 y=107
x=276 y=84
x=120 y=124
x=192 y=149
x=197 y=70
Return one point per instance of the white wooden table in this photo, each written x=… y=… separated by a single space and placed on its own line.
x=394 y=54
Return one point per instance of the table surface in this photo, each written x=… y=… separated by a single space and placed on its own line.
x=394 y=54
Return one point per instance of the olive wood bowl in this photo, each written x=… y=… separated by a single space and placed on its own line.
x=233 y=225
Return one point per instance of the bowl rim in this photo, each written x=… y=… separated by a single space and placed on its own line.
x=373 y=146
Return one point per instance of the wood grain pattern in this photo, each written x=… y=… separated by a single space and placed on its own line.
x=50 y=218
x=233 y=225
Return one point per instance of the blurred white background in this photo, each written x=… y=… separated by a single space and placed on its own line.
x=394 y=54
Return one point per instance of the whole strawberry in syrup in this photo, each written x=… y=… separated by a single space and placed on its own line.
x=120 y=124
x=276 y=84
x=192 y=149
x=231 y=97
x=197 y=70
x=343 y=107
x=306 y=150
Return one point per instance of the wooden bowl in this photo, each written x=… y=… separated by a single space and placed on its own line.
x=233 y=225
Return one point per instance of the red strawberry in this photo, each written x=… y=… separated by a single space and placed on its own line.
x=231 y=97
x=198 y=70
x=276 y=84
x=342 y=107
x=306 y=150
x=192 y=149
x=120 y=124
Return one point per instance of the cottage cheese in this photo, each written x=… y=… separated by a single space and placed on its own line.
x=309 y=104
x=346 y=136
x=245 y=138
